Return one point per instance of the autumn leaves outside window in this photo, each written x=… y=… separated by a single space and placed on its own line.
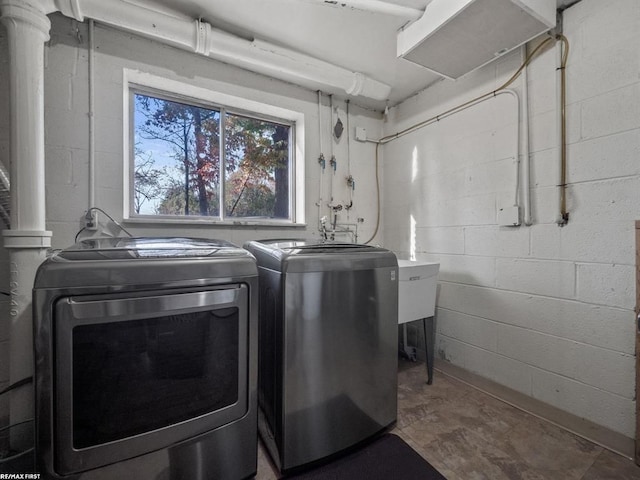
x=205 y=161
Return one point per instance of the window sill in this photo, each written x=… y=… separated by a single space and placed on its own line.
x=212 y=223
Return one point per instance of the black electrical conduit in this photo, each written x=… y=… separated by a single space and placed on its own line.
x=19 y=383
x=13 y=386
x=473 y=101
x=19 y=454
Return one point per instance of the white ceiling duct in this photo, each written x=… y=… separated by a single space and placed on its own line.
x=454 y=37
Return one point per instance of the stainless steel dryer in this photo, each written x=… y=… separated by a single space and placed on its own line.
x=328 y=346
x=146 y=360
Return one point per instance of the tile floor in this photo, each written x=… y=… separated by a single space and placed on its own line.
x=468 y=435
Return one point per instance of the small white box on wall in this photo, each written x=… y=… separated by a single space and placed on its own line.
x=509 y=216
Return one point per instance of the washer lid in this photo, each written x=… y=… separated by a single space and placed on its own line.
x=121 y=248
x=290 y=255
x=307 y=247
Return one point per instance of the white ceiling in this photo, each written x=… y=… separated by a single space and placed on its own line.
x=359 y=39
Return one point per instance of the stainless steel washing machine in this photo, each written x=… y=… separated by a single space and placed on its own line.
x=328 y=347
x=146 y=360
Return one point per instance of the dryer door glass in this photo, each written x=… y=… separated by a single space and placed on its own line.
x=138 y=373
x=134 y=377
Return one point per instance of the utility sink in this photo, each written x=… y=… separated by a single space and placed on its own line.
x=417 y=290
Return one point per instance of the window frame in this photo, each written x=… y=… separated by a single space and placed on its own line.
x=147 y=84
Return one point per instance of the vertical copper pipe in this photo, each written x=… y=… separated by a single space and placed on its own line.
x=564 y=214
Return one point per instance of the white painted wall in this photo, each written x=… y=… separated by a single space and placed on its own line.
x=67 y=139
x=547 y=311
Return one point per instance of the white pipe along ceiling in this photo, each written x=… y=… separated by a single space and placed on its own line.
x=201 y=37
x=374 y=6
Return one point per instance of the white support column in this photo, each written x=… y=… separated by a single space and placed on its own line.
x=27 y=31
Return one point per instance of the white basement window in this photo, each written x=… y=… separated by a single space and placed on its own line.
x=202 y=156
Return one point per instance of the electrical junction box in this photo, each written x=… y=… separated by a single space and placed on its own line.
x=361 y=134
x=416 y=290
x=509 y=216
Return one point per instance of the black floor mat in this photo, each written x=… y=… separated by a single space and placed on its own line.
x=386 y=458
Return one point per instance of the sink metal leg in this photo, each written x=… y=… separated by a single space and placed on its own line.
x=407 y=351
x=429 y=346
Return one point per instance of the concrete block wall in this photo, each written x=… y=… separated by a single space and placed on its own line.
x=67 y=139
x=544 y=310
